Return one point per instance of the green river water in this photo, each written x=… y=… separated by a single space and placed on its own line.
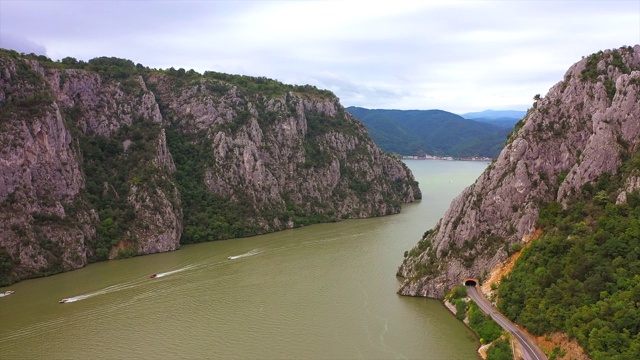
x=325 y=291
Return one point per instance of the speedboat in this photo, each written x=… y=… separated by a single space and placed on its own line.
x=153 y=276
x=63 y=301
x=7 y=293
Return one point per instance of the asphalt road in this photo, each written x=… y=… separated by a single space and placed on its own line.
x=529 y=349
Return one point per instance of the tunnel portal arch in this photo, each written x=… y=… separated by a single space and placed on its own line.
x=470 y=282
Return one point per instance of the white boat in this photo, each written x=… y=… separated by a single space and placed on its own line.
x=7 y=293
x=63 y=301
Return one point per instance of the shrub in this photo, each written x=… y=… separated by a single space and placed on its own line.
x=487 y=329
x=500 y=350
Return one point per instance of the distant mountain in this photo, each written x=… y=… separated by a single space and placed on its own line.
x=436 y=132
x=507 y=123
x=501 y=118
x=495 y=114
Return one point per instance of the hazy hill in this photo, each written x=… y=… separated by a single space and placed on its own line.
x=495 y=114
x=436 y=132
x=501 y=118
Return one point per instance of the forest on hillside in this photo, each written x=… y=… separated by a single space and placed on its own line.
x=581 y=276
x=433 y=132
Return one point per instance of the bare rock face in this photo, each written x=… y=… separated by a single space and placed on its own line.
x=89 y=166
x=290 y=154
x=40 y=175
x=160 y=227
x=580 y=130
x=50 y=119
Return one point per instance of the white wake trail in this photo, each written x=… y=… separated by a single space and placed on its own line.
x=167 y=273
x=247 y=254
x=123 y=286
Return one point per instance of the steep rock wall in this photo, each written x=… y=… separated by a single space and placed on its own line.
x=108 y=159
x=292 y=153
x=40 y=174
x=580 y=130
x=51 y=220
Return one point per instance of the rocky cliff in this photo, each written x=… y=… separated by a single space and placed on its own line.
x=584 y=128
x=107 y=159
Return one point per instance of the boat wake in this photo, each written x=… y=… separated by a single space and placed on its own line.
x=250 y=253
x=123 y=286
x=74 y=299
x=106 y=290
x=167 y=273
x=3 y=294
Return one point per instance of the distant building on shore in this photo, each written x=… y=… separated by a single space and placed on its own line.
x=449 y=158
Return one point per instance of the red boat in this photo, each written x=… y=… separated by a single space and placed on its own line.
x=153 y=276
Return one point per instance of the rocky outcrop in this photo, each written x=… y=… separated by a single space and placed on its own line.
x=292 y=152
x=108 y=159
x=49 y=221
x=583 y=128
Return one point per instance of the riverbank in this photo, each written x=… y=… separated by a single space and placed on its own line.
x=496 y=344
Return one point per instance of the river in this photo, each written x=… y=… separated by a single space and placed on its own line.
x=325 y=291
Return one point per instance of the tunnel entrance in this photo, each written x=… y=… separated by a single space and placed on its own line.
x=470 y=282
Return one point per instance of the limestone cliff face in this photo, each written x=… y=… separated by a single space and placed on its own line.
x=287 y=150
x=48 y=222
x=40 y=173
x=97 y=162
x=581 y=129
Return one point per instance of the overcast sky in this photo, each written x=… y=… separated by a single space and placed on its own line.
x=458 y=56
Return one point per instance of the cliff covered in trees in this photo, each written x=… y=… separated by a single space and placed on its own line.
x=107 y=159
x=571 y=173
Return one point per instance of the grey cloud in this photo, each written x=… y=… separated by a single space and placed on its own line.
x=448 y=55
x=21 y=44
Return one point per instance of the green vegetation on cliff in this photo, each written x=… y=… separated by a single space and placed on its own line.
x=207 y=216
x=582 y=276
x=110 y=171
